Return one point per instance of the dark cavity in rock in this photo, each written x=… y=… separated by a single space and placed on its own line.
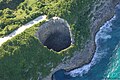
x=55 y=34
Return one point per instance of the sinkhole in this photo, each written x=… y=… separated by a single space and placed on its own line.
x=55 y=34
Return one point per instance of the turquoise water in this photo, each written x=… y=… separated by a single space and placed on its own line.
x=105 y=64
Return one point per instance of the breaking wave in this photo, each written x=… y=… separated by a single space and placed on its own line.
x=103 y=35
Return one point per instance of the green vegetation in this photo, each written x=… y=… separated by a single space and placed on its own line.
x=18 y=14
x=75 y=11
x=23 y=57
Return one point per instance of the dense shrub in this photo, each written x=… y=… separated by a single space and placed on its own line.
x=7 y=4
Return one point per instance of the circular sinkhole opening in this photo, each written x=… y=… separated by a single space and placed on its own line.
x=55 y=34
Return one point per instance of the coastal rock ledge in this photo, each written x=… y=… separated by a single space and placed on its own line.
x=55 y=34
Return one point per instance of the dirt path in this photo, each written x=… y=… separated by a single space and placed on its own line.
x=22 y=28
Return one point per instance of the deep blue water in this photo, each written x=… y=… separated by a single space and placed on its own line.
x=106 y=62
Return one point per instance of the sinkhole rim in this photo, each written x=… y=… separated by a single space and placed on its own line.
x=49 y=29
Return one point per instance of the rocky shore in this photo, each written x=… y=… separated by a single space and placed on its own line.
x=103 y=11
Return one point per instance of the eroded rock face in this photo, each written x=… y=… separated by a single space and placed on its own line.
x=55 y=34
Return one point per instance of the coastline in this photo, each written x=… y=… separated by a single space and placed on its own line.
x=100 y=16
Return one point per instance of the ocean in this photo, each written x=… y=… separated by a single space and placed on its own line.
x=105 y=64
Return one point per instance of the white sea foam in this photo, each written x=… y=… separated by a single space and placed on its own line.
x=102 y=33
x=114 y=62
x=118 y=6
